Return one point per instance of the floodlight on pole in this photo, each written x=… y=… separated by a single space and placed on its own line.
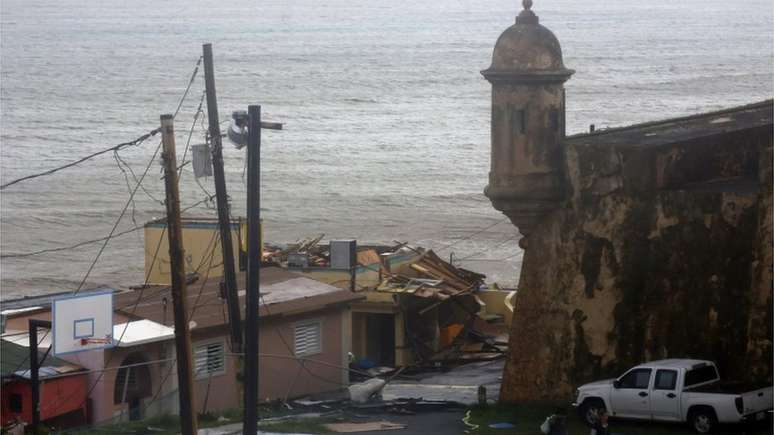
x=237 y=131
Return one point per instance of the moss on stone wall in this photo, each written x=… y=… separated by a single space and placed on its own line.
x=627 y=272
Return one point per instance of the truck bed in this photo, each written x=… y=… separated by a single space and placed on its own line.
x=729 y=387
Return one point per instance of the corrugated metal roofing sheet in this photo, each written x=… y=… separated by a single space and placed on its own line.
x=15 y=362
x=140 y=332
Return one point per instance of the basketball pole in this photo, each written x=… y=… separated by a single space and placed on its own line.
x=177 y=271
x=34 y=369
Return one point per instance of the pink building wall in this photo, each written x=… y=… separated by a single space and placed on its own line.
x=281 y=374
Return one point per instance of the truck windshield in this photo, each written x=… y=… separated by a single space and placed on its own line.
x=700 y=375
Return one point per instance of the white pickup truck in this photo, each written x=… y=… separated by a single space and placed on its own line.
x=677 y=390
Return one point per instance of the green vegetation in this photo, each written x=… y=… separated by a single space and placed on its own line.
x=161 y=425
x=528 y=418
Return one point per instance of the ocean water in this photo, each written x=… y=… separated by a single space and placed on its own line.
x=386 y=115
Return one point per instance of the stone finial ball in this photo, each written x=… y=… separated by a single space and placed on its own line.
x=527 y=4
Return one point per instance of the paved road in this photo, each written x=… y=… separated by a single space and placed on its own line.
x=440 y=422
x=458 y=385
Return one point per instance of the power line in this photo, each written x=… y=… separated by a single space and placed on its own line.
x=193 y=310
x=107 y=239
x=126 y=206
x=139 y=182
x=190 y=133
x=517 y=254
x=489 y=249
x=75 y=246
x=101 y=239
x=137 y=141
x=139 y=298
x=134 y=309
x=121 y=163
x=158 y=245
x=470 y=236
x=290 y=350
x=199 y=111
x=188 y=88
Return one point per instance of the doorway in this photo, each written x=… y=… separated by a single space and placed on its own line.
x=133 y=383
x=380 y=339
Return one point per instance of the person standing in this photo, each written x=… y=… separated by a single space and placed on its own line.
x=556 y=424
x=600 y=427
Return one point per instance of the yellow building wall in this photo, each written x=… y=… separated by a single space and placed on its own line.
x=201 y=245
x=497 y=303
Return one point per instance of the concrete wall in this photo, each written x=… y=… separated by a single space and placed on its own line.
x=102 y=396
x=282 y=375
x=199 y=238
x=495 y=301
x=661 y=251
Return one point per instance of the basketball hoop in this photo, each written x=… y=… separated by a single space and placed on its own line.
x=82 y=322
x=94 y=340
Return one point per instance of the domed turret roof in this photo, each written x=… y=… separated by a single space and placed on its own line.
x=527 y=51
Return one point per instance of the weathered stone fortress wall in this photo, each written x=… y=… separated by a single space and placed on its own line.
x=660 y=250
x=646 y=242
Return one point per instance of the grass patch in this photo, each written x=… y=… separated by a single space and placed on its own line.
x=159 y=425
x=528 y=418
x=170 y=424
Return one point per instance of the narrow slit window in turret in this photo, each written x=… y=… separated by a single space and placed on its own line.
x=553 y=119
x=518 y=121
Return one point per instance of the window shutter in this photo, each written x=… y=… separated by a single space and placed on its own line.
x=308 y=339
x=209 y=359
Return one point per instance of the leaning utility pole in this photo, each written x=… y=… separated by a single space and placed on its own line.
x=177 y=263
x=253 y=269
x=229 y=273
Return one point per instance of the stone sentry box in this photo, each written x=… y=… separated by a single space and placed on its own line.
x=526 y=179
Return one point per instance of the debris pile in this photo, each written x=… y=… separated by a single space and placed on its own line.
x=432 y=277
x=428 y=309
x=304 y=253
x=446 y=322
x=309 y=252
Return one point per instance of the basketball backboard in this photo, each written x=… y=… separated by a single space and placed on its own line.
x=82 y=322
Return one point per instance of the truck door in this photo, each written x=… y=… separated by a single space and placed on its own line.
x=631 y=398
x=664 y=401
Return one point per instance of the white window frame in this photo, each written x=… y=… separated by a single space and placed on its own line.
x=307 y=323
x=204 y=374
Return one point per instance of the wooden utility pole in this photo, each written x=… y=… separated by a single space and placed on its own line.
x=177 y=260
x=253 y=269
x=224 y=223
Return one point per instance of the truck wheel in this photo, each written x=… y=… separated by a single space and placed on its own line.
x=703 y=420
x=589 y=410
